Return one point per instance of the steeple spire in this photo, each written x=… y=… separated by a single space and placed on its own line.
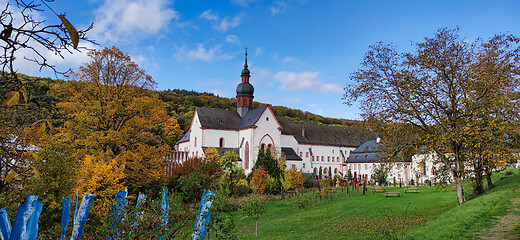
x=245 y=73
x=245 y=92
x=245 y=65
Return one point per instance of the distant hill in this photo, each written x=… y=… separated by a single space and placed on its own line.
x=181 y=105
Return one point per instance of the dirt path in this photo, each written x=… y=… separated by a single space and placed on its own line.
x=504 y=226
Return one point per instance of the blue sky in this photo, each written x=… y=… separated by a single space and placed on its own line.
x=301 y=52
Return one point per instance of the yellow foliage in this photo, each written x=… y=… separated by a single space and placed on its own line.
x=102 y=179
x=211 y=154
x=172 y=131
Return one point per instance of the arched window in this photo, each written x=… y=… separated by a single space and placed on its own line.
x=195 y=142
x=221 y=142
x=262 y=147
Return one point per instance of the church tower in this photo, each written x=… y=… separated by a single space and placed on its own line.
x=245 y=92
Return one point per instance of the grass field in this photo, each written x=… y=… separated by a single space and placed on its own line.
x=431 y=214
x=474 y=218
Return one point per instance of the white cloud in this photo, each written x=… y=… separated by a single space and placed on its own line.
x=232 y=39
x=258 y=51
x=227 y=24
x=281 y=6
x=120 y=19
x=292 y=60
x=261 y=75
x=201 y=54
x=295 y=101
x=209 y=15
x=307 y=80
x=243 y=2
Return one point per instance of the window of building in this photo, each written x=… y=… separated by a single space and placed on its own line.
x=356 y=157
x=328 y=159
x=322 y=158
x=221 y=142
x=366 y=156
x=195 y=142
x=267 y=118
x=303 y=165
x=332 y=159
x=262 y=147
x=301 y=154
x=332 y=151
x=306 y=154
x=366 y=167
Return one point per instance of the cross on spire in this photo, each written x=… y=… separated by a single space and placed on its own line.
x=245 y=65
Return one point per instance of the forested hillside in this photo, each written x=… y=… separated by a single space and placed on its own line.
x=181 y=104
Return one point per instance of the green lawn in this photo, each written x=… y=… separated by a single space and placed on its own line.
x=370 y=216
x=475 y=216
x=431 y=214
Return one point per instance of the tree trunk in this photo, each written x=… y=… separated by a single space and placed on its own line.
x=488 y=178
x=479 y=184
x=457 y=175
x=460 y=191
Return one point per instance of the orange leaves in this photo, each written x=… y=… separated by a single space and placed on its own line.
x=259 y=180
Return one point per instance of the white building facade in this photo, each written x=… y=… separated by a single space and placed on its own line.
x=246 y=131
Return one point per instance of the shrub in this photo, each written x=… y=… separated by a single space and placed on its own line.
x=242 y=187
x=308 y=180
x=272 y=186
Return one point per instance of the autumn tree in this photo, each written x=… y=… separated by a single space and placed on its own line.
x=269 y=163
x=435 y=89
x=113 y=122
x=259 y=179
x=229 y=163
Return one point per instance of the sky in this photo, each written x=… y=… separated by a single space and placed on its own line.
x=300 y=52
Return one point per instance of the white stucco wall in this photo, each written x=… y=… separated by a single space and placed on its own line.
x=331 y=157
x=196 y=137
x=212 y=138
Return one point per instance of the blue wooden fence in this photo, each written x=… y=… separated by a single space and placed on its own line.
x=25 y=225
